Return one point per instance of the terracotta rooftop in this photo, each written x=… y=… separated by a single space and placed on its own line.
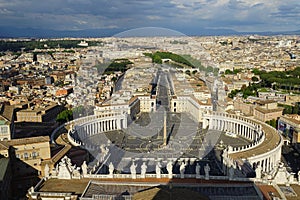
x=267 y=190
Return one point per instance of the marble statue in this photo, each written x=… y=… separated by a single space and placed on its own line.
x=111 y=169
x=46 y=171
x=282 y=175
x=197 y=170
x=133 y=170
x=31 y=190
x=56 y=170
x=66 y=170
x=157 y=170
x=206 y=170
x=170 y=168
x=230 y=149
x=258 y=172
x=84 y=168
x=76 y=173
x=104 y=151
x=143 y=170
x=182 y=169
x=291 y=178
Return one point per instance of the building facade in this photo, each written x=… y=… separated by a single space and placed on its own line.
x=27 y=152
x=289 y=126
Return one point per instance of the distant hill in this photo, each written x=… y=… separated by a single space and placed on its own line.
x=12 y=32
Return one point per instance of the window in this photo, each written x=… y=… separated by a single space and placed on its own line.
x=3 y=130
x=34 y=155
x=26 y=156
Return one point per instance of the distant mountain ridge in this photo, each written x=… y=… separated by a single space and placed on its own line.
x=12 y=32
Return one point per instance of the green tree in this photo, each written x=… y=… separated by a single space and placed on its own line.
x=254 y=79
x=233 y=93
x=296 y=109
x=64 y=116
x=228 y=71
x=156 y=59
x=272 y=122
x=256 y=71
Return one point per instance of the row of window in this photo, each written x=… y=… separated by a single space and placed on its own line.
x=3 y=130
x=27 y=156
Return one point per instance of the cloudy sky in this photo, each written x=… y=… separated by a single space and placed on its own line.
x=181 y=15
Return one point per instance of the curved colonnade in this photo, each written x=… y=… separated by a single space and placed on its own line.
x=264 y=148
x=91 y=125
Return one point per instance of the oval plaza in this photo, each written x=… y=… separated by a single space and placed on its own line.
x=179 y=95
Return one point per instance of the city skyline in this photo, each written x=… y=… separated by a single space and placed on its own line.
x=106 y=18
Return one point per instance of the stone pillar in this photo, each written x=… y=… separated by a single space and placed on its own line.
x=118 y=123
x=85 y=129
x=125 y=122
x=235 y=128
x=210 y=123
x=223 y=124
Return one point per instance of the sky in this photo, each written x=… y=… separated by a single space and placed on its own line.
x=186 y=16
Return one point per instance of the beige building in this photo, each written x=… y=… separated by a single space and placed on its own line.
x=245 y=107
x=191 y=105
x=6 y=122
x=147 y=103
x=266 y=110
x=264 y=115
x=5 y=127
x=289 y=125
x=263 y=110
x=39 y=113
x=291 y=99
x=30 y=151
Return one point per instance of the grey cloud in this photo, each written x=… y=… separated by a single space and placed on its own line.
x=86 y=14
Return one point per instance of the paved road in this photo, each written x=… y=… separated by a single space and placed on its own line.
x=163 y=90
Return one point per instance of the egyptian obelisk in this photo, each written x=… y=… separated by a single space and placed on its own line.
x=165 y=129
